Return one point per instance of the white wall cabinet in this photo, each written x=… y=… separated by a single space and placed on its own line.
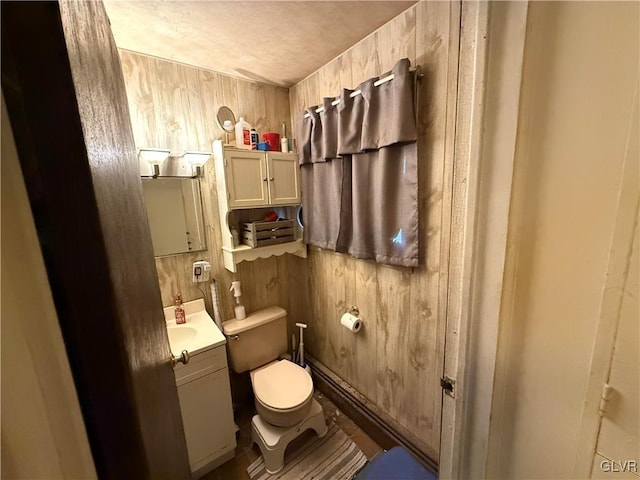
x=257 y=179
x=207 y=412
x=249 y=179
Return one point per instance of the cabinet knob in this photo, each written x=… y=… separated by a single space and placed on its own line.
x=271 y=179
x=264 y=179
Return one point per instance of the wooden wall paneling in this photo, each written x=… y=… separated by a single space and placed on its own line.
x=392 y=320
x=174 y=106
x=168 y=280
x=366 y=358
x=252 y=104
x=140 y=99
x=299 y=292
x=364 y=59
x=426 y=347
x=329 y=80
x=404 y=311
x=396 y=40
x=165 y=78
x=198 y=135
x=317 y=340
x=340 y=280
x=282 y=266
x=278 y=111
x=217 y=90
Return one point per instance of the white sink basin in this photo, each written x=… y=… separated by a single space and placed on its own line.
x=180 y=336
x=200 y=333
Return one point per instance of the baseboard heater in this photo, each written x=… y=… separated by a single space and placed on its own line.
x=346 y=399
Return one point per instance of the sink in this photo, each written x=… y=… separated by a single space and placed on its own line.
x=180 y=337
x=200 y=333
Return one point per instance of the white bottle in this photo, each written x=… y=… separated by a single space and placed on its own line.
x=243 y=134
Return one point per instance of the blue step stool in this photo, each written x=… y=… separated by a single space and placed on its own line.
x=395 y=464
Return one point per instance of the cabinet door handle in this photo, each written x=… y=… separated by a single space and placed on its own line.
x=271 y=179
x=264 y=179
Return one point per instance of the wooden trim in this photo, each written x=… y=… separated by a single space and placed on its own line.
x=491 y=57
x=473 y=34
x=369 y=418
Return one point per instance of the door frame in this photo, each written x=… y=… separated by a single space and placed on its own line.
x=492 y=38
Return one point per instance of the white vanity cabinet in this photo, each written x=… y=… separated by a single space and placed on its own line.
x=207 y=413
x=247 y=181
x=258 y=179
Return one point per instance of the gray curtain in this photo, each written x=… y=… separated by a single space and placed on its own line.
x=359 y=172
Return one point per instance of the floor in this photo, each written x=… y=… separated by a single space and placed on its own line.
x=246 y=452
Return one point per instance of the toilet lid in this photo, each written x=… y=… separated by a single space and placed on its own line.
x=282 y=385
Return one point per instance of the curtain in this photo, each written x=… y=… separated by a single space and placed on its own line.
x=358 y=161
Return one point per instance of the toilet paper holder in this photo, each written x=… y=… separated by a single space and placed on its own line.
x=354 y=311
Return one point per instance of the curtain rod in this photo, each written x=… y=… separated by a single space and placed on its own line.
x=377 y=83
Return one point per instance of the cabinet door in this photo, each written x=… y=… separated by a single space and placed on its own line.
x=284 y=179
x=207 y=417
x=246 y=177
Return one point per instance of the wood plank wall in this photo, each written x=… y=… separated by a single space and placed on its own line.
x=174 y=106
x=397 y=359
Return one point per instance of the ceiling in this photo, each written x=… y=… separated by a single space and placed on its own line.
x=278 y=42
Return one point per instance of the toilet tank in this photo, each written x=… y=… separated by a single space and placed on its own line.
x=256 y=340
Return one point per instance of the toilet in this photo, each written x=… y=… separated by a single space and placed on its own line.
x=283 y=390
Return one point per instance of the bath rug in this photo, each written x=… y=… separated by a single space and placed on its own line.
x=332 y=457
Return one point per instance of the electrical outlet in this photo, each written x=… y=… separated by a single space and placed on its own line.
x=201 y=271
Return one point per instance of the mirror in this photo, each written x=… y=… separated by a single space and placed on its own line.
x=226 y=119
x=174 y=212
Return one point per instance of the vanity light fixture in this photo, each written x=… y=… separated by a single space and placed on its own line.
x=154 y=157
x=197 y=159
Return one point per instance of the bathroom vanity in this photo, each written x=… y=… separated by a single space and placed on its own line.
x=203 y=388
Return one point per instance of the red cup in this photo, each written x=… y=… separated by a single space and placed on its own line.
x=273 y=139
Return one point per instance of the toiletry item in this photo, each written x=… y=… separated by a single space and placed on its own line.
x=243 y=134
x=254 y=138
x=284 y=141
x=239 y=308
x=351 y=322
x=264 y=146
x=181 y=317
x=273 y=139
x=216 y=304
x=301 y=326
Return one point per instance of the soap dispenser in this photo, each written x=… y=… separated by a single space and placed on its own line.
x=179 y=310
x=240 y=312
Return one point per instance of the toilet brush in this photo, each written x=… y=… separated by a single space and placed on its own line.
x=301 y=346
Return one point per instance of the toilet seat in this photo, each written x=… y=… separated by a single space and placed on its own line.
x=283 y=393
x=282 y=386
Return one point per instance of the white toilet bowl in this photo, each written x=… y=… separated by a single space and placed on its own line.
x=283 y=392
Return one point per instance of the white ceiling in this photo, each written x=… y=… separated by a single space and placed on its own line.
x=278 y=42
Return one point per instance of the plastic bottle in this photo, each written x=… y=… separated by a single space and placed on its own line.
x=181 y=317
x=243 y=134
x=254 y=138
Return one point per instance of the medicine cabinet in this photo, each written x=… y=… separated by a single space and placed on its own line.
x=174 y=213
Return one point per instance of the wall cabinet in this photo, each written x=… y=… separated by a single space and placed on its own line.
x=207 y=412
x=247 y=181
x=256 y=179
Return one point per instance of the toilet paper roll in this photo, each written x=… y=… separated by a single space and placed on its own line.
x=351 y=322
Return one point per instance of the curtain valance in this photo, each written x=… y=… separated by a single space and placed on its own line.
x=359 y=171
